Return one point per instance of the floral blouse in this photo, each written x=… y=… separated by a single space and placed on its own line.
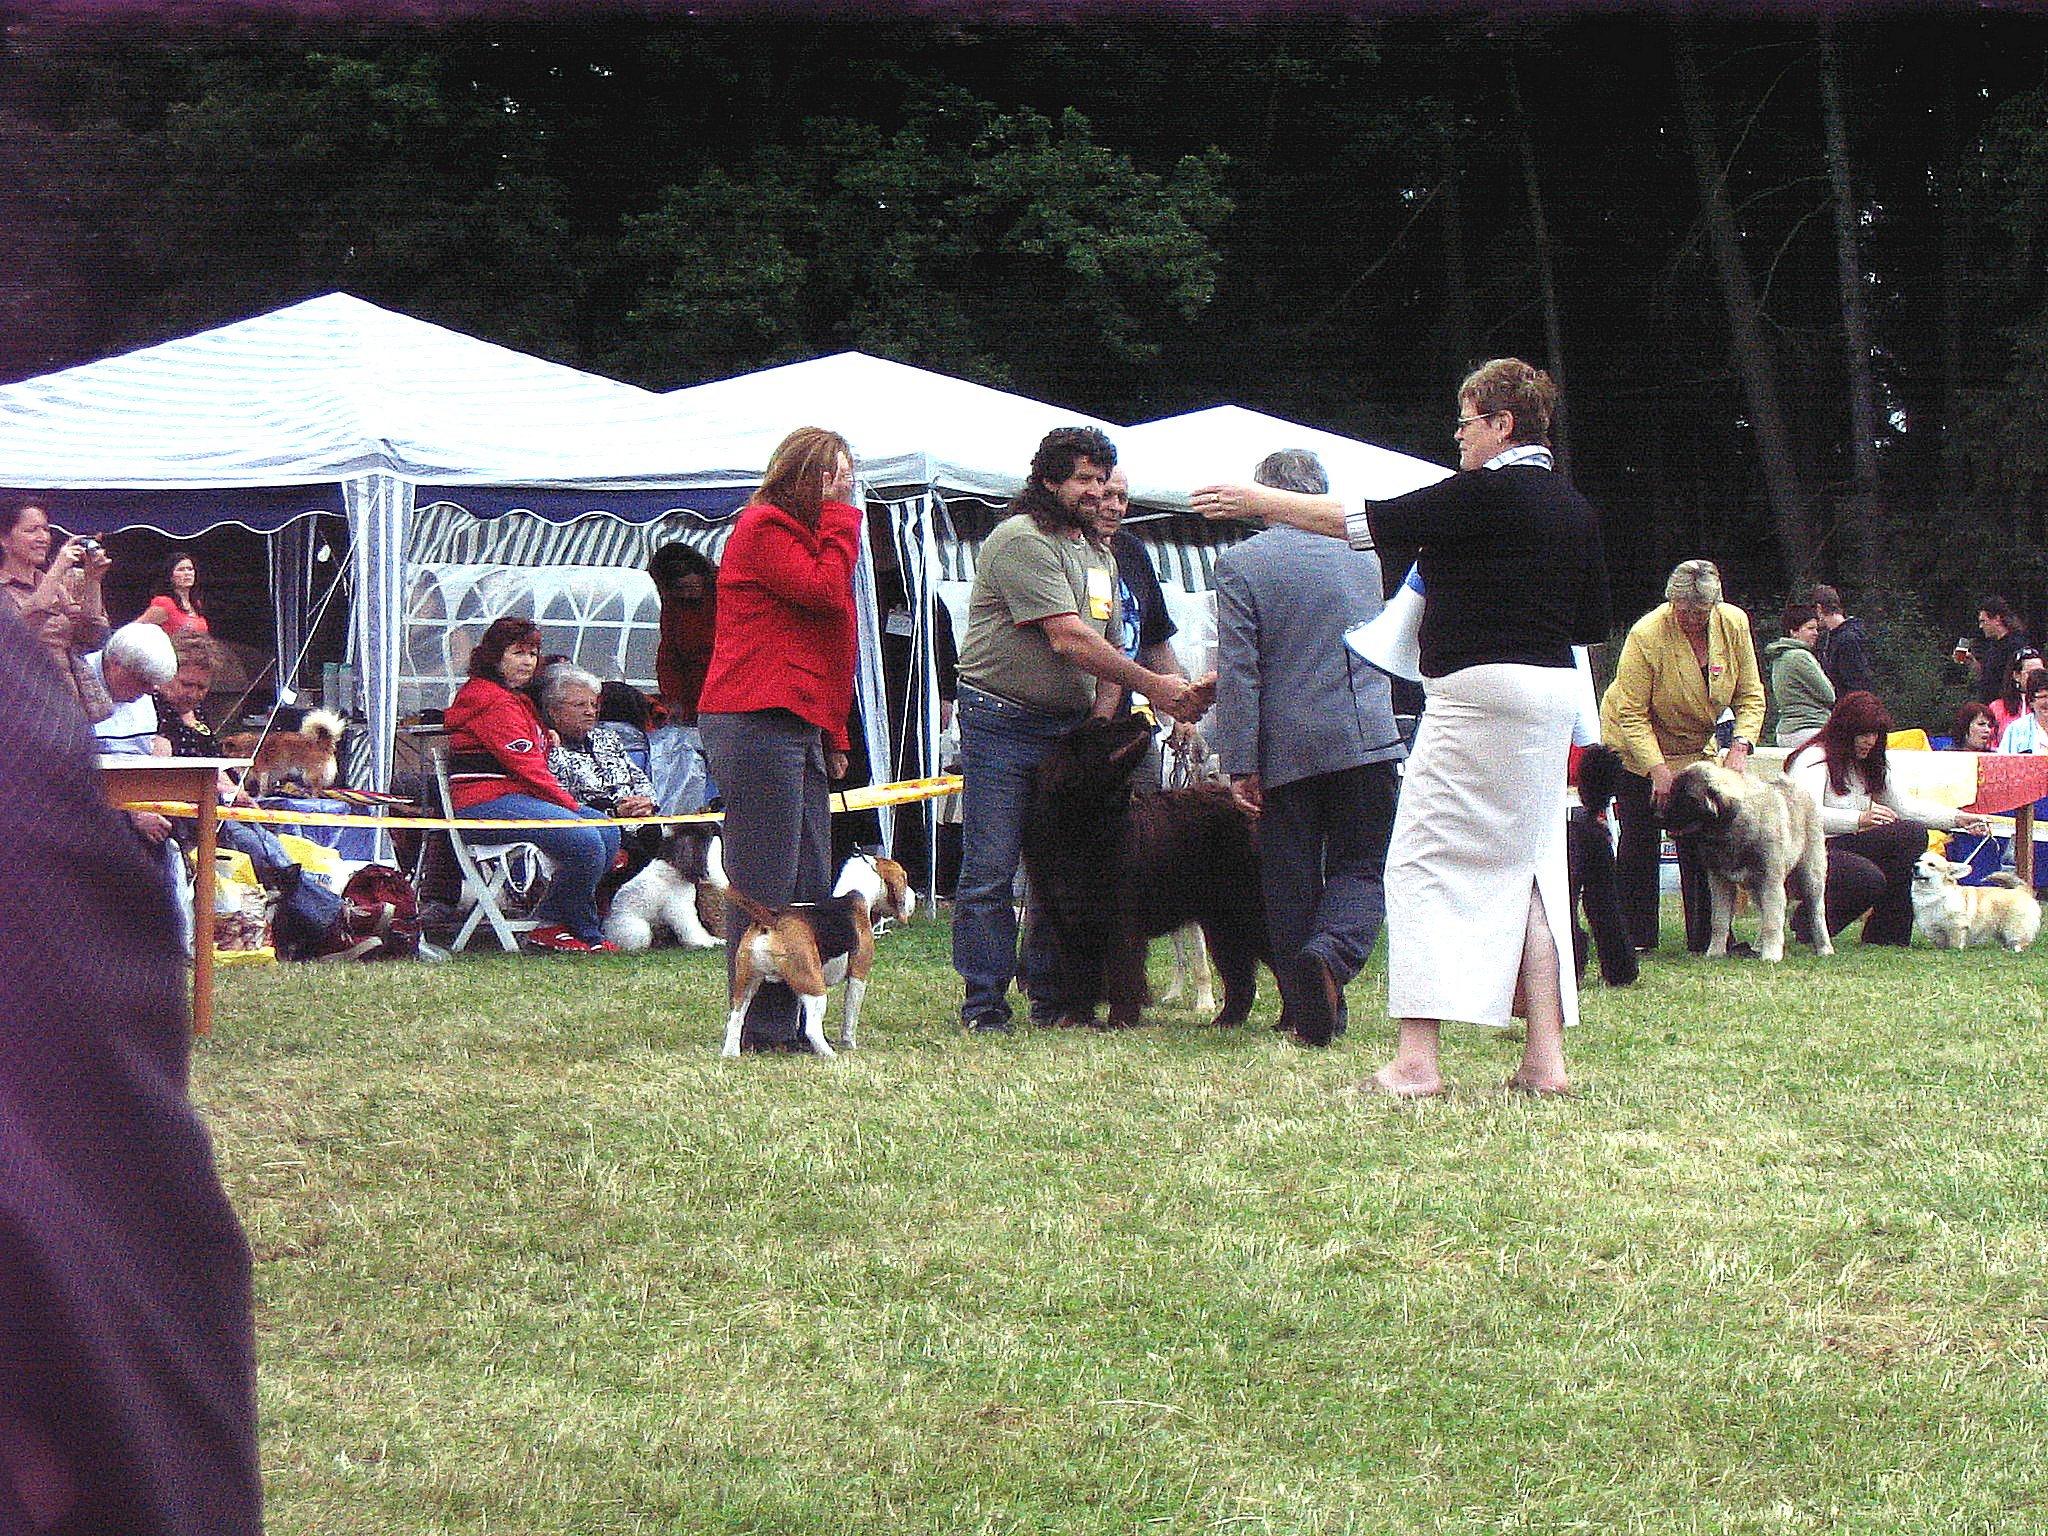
x=598 y=772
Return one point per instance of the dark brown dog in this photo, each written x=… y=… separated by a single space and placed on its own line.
x=1111 y=871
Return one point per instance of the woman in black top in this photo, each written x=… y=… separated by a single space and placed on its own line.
x=1514 y=576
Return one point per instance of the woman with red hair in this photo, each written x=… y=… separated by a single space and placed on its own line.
x=498 y=771
x=1875 y=831
x=773 y=709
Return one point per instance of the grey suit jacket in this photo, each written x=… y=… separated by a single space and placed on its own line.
x=1292 y=699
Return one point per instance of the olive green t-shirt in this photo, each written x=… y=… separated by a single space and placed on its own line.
x=1023 y=575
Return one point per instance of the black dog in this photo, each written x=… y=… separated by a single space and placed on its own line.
x=1590 y=853
x=1111 y=871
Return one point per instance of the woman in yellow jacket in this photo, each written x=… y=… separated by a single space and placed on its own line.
x=1685 y=663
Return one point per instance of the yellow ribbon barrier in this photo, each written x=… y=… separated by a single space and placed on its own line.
x=903 y=792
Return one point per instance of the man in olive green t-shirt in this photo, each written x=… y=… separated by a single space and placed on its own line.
x=1037 y=658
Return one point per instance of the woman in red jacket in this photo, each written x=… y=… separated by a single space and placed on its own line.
x=775 y=701
x=498 y=769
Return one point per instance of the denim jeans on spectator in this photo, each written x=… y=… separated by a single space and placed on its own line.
x=1000 y=745
x=581 y=855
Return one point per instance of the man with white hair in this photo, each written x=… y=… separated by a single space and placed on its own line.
x=138 y=660
x=1305 y=729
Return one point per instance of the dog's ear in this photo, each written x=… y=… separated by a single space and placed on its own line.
x=1956 y=871
x=1125 y=757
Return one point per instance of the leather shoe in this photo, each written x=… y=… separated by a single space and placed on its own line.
x=1316 y=1000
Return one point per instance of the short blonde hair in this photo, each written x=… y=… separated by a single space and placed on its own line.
x=1694 y=584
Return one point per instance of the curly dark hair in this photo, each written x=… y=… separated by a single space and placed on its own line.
x=1061 y=449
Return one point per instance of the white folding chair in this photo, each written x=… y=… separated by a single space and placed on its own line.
x=487 y=874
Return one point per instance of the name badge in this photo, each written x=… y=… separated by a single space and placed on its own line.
x=1101 y=594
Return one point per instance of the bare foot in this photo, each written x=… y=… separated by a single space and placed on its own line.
x=1401 y=1079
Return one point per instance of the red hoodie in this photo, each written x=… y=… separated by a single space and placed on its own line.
x=497 y=746
x=785 y=618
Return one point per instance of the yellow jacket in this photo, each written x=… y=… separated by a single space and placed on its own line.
x=1661 y=709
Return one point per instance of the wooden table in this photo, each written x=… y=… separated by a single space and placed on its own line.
x=134 y=780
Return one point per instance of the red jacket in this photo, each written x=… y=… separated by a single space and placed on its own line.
x=497 y=746
x=785 y=618
x=683 y=654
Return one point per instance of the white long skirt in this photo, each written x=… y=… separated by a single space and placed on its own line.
x=1481 y=820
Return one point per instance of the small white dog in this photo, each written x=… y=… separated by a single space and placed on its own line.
x=1956 y=916
x=663 y=896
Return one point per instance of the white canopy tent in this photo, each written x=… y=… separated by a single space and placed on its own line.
x=1224 y=443
x=337 y=405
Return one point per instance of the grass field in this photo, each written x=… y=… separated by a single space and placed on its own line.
x=531 y=1258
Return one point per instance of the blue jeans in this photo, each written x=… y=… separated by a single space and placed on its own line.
x=581 y=855
x=1000 y=746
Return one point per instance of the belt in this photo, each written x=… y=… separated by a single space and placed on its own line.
x=1005 y=702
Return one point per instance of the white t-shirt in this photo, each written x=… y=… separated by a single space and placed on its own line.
x=131 y=727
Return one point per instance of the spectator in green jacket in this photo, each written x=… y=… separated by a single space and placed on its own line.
x=1800 y=689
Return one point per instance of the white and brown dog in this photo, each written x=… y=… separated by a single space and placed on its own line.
x=1956 y=916
x=810 y=947
x=681 y=891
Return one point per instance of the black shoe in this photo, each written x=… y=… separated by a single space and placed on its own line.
x=1316 y=1000
x=990 y=1024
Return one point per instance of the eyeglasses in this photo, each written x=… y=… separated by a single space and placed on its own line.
x=1466 y=421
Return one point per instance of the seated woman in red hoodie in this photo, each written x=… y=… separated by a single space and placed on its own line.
x=775 y=701
x=498 y=771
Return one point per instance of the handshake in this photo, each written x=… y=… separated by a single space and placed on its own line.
x=1181 y=699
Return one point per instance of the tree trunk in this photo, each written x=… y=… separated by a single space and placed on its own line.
x=1955 y=245
x=1460 y=325
x=1753 y=355
x=1866 y=502
x=1546 y=272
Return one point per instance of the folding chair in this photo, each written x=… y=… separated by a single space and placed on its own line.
x=486 y=873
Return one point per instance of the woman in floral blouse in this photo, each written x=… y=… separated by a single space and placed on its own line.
x=591 y=761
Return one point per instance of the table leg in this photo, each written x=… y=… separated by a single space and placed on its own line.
x=202 y=917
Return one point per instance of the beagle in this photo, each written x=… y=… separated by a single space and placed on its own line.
x=813 y=945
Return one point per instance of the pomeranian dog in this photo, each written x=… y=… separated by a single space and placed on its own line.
x=307 y=755
x=1956 y=916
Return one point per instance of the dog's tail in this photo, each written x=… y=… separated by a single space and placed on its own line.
x=756 y=913
x=2008 y=879
x=323 y=725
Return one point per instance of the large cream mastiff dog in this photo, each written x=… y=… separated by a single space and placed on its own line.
x=1754 y=833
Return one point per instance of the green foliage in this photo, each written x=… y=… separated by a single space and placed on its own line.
x=530 y=1258
x=947 y=239
x=1909 y=653
x=1321 y=216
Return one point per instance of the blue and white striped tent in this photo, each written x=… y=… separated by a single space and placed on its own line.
x=335 y=405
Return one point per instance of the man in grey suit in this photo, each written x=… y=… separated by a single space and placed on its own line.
x=1305 y=729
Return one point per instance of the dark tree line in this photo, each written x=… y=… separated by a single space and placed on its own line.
x=1790 y=267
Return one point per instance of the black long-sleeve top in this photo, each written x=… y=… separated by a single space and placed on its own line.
x=1513 y=567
